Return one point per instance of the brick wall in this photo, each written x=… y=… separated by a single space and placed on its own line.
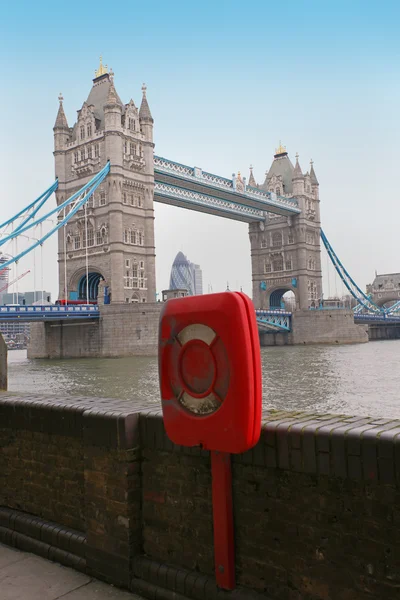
x=73 y=464
x=316 y=507
x=316 y=502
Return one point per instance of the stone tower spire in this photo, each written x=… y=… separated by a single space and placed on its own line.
x=61 y=138
x=298 y=179
x=252 y=181
x=145 y=119
x=112 y=97
x=297 y=173
x=61 y=120
x=314 y=181
x=313 y=177
x=144 y=112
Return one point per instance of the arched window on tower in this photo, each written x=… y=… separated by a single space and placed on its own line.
x=288 y=264
x=267 y=267
x=263 y=242
x=82 y=132
x=312 y=290
x=89 y=130
x=90 y=237
x=277 y=239
x=277 y=190
x=76 y=157
x=290 y=237
x=132 y=124
x=83 y=154
x=278 y=263
x=89 y=152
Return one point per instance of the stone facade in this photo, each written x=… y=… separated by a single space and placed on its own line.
x=116 y=229
x=385 y=289
x=285 y=251
x=122 y=330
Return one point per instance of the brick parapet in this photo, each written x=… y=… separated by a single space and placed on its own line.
x=318 y=494
x=361 y=448
x=75 y=461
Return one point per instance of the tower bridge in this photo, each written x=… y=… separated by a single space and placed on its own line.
x=107 y=180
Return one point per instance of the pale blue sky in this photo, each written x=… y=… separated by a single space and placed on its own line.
x=226 y=81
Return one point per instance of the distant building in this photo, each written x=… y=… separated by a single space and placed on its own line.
x=13 y=329
x=186 y=276
x=168 y=294
x=4 y=273
x=26 y=298
x=198 y=280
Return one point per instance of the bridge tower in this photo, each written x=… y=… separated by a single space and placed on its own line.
x=114 y=238
x=285 y=252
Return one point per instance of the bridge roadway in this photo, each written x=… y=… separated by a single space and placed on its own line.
x=193 y=188
x=48 y=312
x=267 y=320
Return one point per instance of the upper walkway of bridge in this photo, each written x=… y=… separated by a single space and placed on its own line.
x=191 y=187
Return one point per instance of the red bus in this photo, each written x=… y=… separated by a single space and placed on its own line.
x=73 y=302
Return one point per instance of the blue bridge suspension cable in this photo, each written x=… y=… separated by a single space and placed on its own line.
x=59 y=209
x=348 y=281
x=90 y=188
x=39 y=201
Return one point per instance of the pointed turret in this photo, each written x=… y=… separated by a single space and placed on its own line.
x=252 y=181
x=146 y=120
x=61 y=136
x=313 y=176
x=61 y=120
x=297 y=173
x=144 y=112
x=113 y=107
x=112 y=96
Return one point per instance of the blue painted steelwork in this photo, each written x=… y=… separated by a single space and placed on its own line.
x=48 y=312
x=350 y=284
x=393 y=309
x=93 y=280
x=188 y=198
x=82 y=196
x=382 y=319
x=247 y=196
x=274 y=320
x=39 y=201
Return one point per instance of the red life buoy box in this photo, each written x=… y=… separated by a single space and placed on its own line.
x=210 y=372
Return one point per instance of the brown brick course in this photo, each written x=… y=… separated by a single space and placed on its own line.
x=316 y=502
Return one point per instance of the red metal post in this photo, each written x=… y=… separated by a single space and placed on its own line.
x=224 y=551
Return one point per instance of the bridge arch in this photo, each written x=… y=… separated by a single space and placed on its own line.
x=89 y=284
x=275 y=296
x=85 y=280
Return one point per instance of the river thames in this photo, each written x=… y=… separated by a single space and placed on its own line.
x=362 y=379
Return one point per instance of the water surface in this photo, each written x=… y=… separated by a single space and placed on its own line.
x=358 y=379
